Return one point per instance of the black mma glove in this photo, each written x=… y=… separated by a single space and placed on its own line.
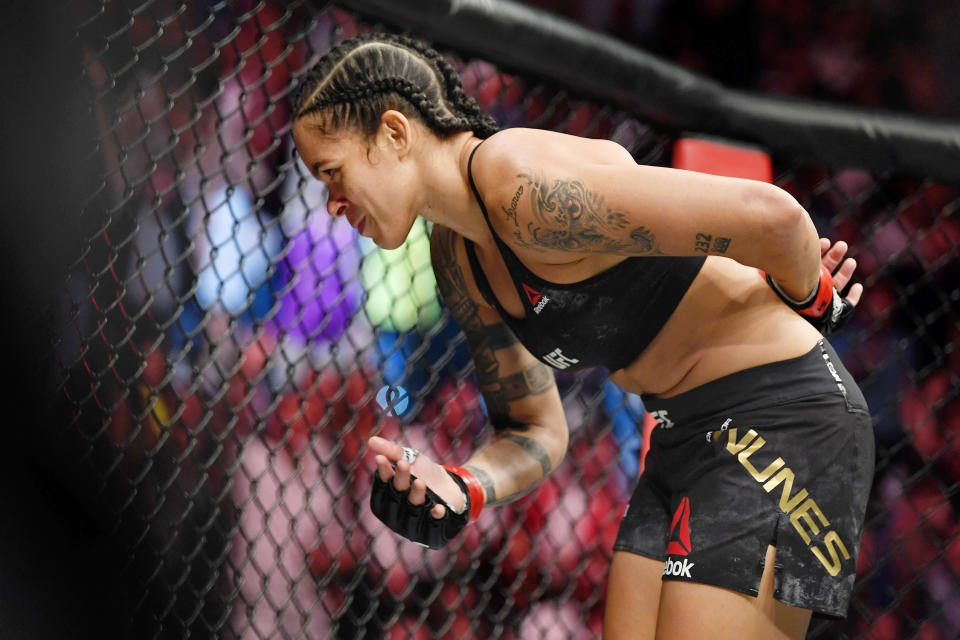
x=414 y=522
x=825 y=309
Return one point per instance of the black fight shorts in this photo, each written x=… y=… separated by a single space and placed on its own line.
x=781 y=454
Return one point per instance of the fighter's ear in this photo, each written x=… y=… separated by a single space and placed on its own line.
x=396 y=131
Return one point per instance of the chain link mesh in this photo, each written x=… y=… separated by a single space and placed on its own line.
x=227 y=348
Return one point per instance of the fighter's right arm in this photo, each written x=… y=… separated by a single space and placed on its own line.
x=522 y=400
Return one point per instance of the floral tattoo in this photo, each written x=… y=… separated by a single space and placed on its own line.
x=570 y=217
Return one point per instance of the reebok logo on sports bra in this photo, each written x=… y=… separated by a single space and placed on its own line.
x=537 y=300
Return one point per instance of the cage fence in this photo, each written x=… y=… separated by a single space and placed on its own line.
x=226 y=348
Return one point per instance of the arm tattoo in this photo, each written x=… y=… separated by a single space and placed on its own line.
x=499 y=392
x=706 y=243
x=484 y=340
x=532 y=447
x=512 y=211
x=485 y=481
x=537 y=379
x=569 y=216
x=501 y=422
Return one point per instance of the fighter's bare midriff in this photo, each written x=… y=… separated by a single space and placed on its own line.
x=728 y=320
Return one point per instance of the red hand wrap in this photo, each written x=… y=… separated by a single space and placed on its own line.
x=818 y=302
x=477 y=496
x=824 y=297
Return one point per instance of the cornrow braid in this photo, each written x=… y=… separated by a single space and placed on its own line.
x=406 y=89
x=362 y=77
x=483 y=125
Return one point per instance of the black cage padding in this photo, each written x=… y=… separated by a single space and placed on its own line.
x=535 y=42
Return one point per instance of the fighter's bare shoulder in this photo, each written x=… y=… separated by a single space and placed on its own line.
x=519 y=148
x=517 y=172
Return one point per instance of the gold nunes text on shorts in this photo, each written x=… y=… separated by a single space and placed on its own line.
x=799 y=507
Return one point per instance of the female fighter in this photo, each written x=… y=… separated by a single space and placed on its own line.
x=710 y=297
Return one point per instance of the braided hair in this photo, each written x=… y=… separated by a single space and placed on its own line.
x=366 y=75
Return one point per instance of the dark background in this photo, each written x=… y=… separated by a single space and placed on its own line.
x=55 y=565
x=899 y=55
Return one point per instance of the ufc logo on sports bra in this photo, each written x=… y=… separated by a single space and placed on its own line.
x=557 y=360
x=662 y=419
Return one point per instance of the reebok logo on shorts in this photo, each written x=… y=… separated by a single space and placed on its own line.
x=679 y=544
x=678 y=568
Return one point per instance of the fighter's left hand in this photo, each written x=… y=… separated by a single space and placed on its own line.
x=832 y=257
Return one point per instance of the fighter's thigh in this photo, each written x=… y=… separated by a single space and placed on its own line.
x=633 y=597
x=694 y=611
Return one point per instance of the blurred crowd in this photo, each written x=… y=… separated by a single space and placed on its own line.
x=894 y=54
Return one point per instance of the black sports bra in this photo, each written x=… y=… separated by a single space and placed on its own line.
x=606 y=320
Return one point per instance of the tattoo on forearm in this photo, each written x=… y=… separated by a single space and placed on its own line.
x=485 y=481
x=532 y=447
x=513 y=497
x=569 y=216
x=706 y=243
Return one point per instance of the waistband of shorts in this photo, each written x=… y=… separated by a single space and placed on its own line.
x=763 y=385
